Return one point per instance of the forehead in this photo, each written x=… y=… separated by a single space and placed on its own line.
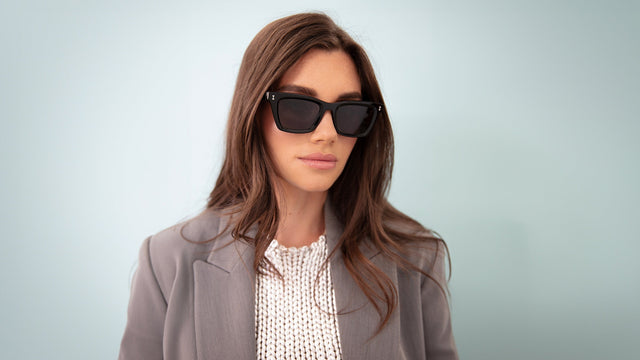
x=327 y=72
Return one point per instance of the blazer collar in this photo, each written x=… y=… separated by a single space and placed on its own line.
x=224 y=300
x=227 y=257
x=229 y=253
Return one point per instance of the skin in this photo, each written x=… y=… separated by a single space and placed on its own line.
x=302 y=188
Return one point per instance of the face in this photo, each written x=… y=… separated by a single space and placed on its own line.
x=313 y=161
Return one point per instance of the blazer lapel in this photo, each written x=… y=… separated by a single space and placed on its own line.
x=357 y=318
x=224 y=301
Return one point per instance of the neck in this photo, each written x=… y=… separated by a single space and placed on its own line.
x=301 y=216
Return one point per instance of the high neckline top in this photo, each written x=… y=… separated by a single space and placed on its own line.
x=296 y=313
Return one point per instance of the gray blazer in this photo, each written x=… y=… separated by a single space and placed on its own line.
x=196 y=301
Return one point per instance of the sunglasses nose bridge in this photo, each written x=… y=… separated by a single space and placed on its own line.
x=331 y=109
x=321 y=128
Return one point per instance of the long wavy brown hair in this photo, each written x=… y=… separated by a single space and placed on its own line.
x=359 y=195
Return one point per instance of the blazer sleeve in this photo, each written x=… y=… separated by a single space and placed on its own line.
x=143 y=333
x=439 y=341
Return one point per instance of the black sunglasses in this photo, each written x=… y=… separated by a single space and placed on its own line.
x=299 y=114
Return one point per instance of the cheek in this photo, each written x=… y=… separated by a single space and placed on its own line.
x=347 y=145
x=280 y=145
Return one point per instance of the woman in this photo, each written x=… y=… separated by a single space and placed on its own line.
x=298 y=254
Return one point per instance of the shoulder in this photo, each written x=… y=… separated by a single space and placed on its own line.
x=421 y=247
x=185 y=238
x=174 y=249
x=428 y=245
x=420 y=243
x=430 y=254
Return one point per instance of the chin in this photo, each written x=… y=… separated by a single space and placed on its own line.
x=316 y=188
x=320 y=186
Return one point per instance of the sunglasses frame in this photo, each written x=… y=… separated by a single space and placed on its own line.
x=273 y=97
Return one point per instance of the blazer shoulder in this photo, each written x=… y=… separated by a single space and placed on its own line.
x=176 y=248
x=184 y=237
x=423 y=248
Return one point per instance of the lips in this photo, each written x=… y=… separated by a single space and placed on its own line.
x=320 y=161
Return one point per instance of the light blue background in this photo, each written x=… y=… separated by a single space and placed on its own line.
x=516 y=126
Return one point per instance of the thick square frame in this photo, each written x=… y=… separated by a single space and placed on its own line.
x=273 y=97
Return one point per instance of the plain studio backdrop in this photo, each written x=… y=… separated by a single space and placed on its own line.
x=516 y=127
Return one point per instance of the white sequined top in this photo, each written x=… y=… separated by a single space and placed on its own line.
x=296 y=315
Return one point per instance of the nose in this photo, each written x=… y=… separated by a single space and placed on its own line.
x=325 y=130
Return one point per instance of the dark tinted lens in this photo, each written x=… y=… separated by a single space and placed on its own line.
x=297 y=114
x=354 y=119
